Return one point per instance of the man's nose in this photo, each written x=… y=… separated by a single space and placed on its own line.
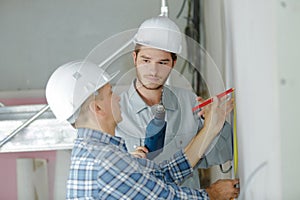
x=153 y=67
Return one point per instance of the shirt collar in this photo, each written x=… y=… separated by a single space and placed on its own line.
x=170 y=100
x=101 y=137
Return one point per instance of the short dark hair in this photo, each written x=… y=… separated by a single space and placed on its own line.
x=138 y=48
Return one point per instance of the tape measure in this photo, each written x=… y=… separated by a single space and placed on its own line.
x=235 y=142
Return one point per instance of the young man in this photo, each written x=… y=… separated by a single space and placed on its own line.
x=158 y=41
x=101 y=167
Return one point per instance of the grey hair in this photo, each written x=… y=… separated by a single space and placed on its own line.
x=73 y=118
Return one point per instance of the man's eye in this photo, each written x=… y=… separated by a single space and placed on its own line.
x=146 y=61
x=163 y=63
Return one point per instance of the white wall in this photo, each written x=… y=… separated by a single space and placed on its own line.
x=255 y=44
x=264 y=41
x=289 y=87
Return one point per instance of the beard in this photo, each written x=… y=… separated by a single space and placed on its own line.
x=149 y=86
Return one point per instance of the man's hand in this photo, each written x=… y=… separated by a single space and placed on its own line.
x=140 y=152
x=216 y=112
x=223 y=189
x=202 y=111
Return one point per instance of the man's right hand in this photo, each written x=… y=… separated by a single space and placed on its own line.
x=215 y=114
x=140 y=152
x=223 y=189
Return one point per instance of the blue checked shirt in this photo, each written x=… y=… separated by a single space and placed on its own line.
x=101 y=168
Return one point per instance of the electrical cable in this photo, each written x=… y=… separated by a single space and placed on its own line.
x=181 y=9
x=225 y=171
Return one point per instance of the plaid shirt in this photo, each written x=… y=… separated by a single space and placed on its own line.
x=101 y=168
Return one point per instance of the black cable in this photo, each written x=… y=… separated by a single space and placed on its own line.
x=225 y=171
x=181 y=9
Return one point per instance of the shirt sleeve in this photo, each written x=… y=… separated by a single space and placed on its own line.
x=220 y=150
x=124 y=178
x=175 y=169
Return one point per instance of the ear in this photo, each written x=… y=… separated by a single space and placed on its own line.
x=96 y=108
x=174 y=63
x=134 y=56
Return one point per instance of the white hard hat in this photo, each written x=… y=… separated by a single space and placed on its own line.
x=161 y=33
x=71 y=84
